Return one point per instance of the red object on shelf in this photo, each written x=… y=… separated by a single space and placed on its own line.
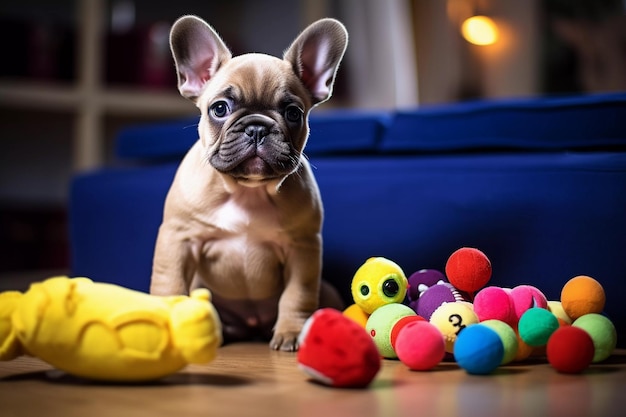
x=141 y=57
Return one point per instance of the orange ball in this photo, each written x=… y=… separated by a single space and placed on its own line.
x=582 y=295
x=523 y=350
x=356 y=313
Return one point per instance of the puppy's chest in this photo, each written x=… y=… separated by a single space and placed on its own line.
x=241 y=252
x=248 y=219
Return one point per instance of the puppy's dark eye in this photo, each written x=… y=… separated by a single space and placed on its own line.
x=293 y=114
x=220 y=109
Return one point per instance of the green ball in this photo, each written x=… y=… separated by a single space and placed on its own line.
x=380 y=325
x=602 y=332
x=507 y=336
x=536 y=326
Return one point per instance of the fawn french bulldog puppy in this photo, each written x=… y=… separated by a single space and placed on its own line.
x=243 y=215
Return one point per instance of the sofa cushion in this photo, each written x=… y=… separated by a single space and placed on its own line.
x=581 y=122
x=336 y=132
x=346 y=132
x=115 y=216
x=166 y=140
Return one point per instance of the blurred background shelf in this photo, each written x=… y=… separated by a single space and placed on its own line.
x=31 y=95
x=41 y=96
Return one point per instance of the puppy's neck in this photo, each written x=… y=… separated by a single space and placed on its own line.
x=271 y=186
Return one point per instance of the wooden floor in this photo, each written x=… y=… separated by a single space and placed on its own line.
x=250 y=380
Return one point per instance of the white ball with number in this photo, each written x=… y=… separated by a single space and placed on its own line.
x=451 y=319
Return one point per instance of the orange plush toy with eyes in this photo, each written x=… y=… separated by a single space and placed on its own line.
x=107 y=332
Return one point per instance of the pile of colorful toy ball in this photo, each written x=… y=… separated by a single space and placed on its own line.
x=430 y=316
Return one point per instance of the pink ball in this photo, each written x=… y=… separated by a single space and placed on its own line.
x=526 y=297
x=495 y=303
x=420 y=346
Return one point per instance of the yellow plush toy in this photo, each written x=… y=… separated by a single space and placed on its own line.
x=377 y=282
x=107 y=332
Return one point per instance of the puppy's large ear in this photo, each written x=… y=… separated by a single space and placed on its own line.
x=198 y=53
x=315 y=56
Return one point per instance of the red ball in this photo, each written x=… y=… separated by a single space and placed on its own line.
x=468 y=269
x=395 y=331
x=420 y=346
x=570 y=350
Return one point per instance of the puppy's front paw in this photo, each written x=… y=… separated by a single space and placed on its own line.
x=285 y=341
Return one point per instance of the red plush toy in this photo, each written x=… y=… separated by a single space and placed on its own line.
x=336 y=351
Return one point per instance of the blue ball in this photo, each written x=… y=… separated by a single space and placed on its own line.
x=478 y=349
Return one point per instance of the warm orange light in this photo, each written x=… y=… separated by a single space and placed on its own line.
x=480 y=30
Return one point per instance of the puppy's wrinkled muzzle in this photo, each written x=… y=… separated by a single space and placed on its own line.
x=255 y=147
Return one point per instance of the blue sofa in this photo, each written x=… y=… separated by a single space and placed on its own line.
x=538 y=184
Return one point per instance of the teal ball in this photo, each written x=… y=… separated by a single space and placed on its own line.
x=536 y=326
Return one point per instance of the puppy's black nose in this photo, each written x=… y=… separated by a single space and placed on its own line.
x=256 y=133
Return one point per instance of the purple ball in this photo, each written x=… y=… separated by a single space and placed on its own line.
x=421 y=280
x=433 y=297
